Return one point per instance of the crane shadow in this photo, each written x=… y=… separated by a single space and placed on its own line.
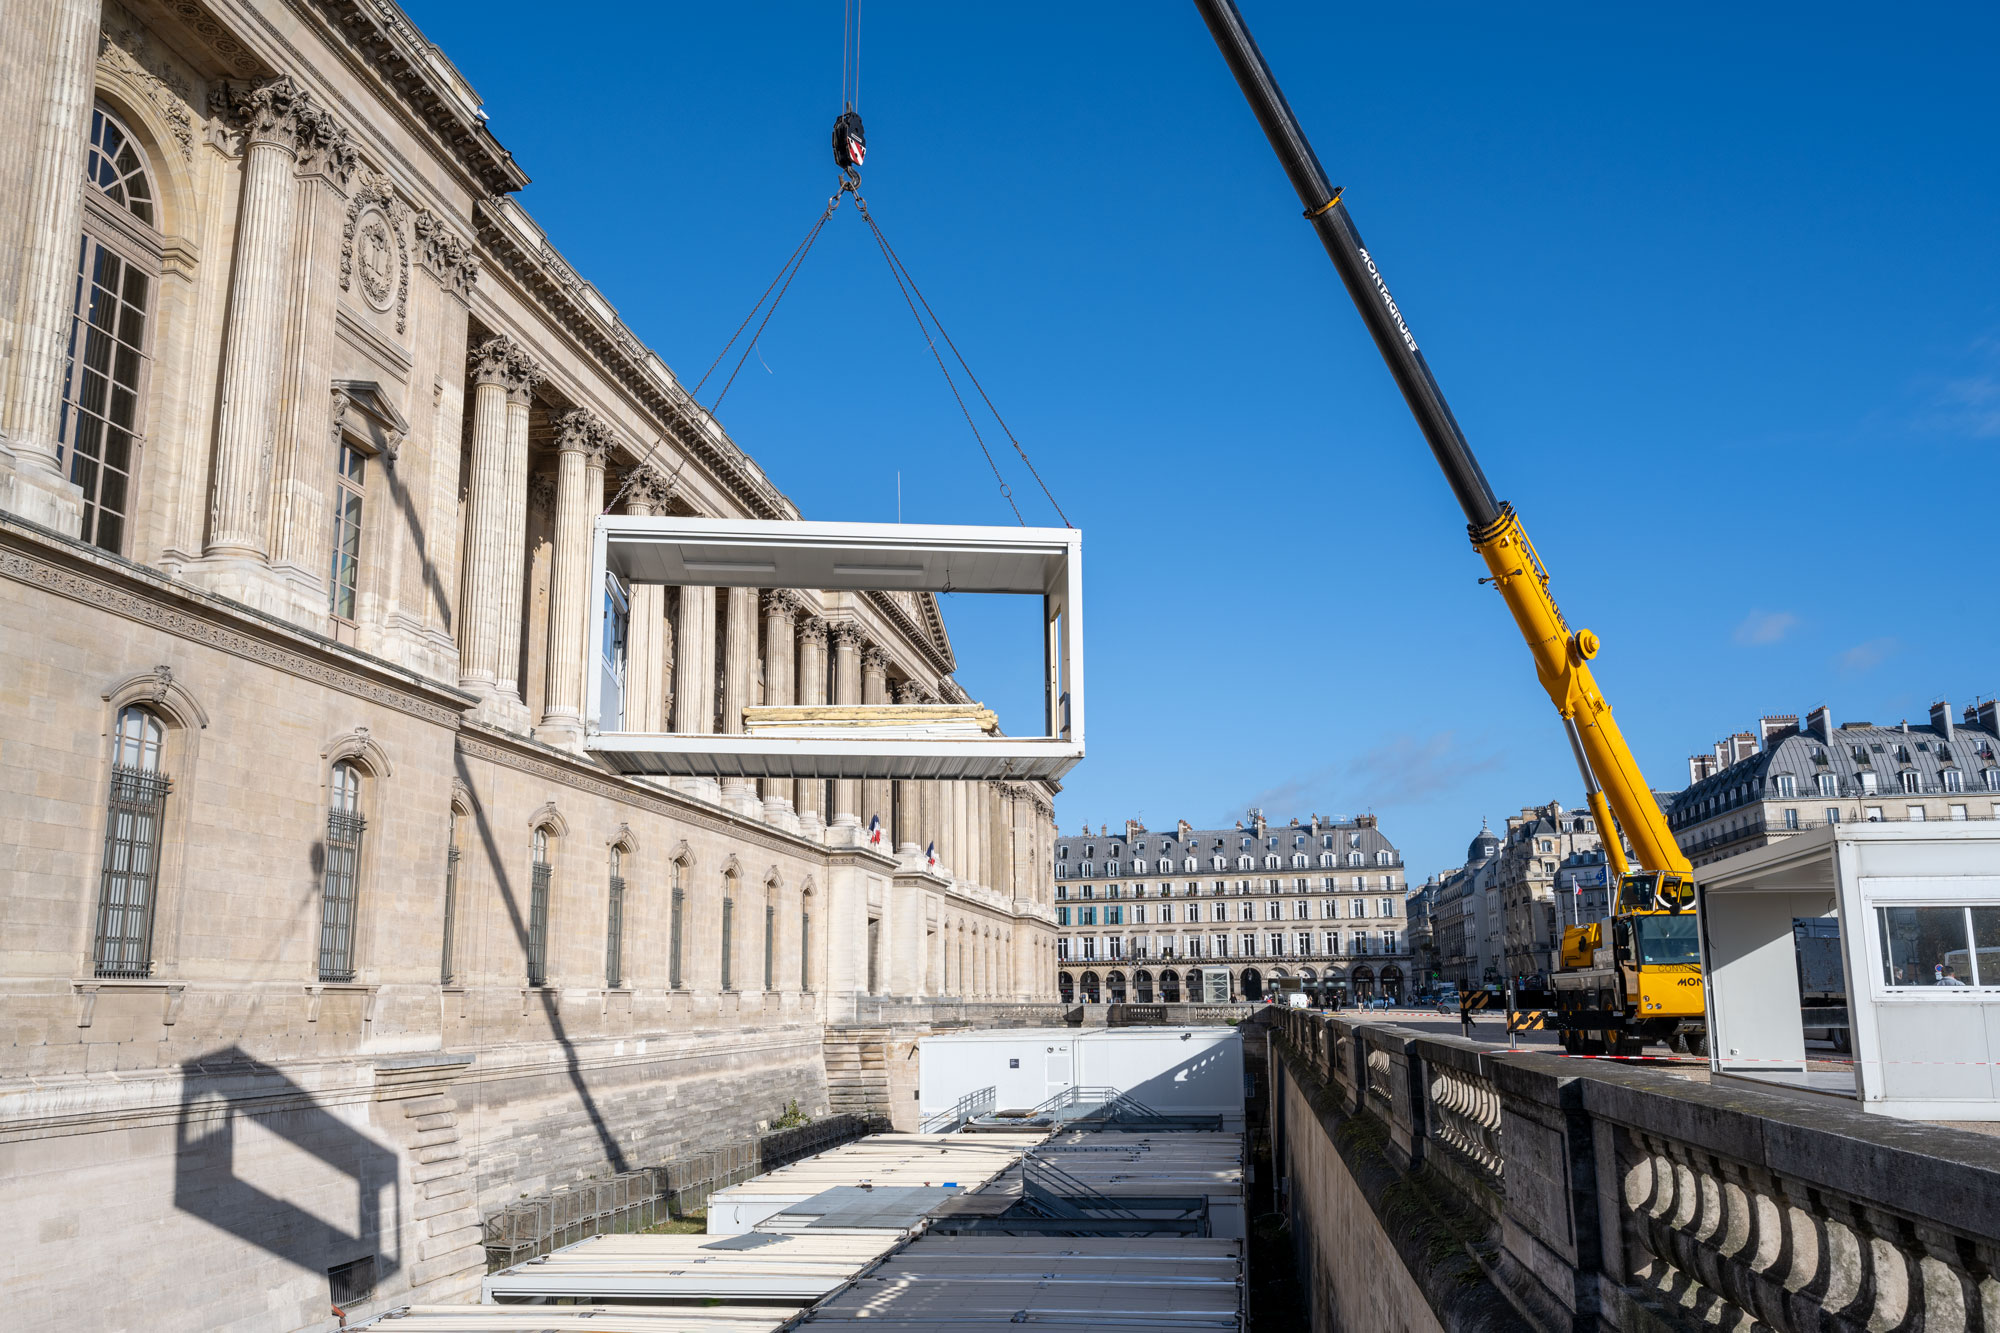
x=614 y=1155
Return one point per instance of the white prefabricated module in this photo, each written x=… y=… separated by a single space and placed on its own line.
x=952 y=1163
x=1173 y=1071
x=582 y=1319
x=970 y=1284
x=1917 y=906
x=752 y=1269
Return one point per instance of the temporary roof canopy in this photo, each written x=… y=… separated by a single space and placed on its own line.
x=582 y=1319
x=849 y=557
x=1918 y=907
x=748 y=1269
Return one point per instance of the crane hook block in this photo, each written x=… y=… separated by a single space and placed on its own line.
x=850 y=144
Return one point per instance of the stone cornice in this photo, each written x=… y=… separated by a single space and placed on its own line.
x=417 y=72
x=518 y=247
x=41 y=559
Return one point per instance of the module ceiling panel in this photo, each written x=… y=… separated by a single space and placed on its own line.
x=838 y=557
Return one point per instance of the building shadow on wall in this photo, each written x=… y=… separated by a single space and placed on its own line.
x=227 y=1087
x=548 y=996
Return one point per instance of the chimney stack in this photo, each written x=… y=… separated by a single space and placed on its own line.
x=1819 y=722
x=1776 y=726
x=1989 y=716
x=1133 y=828
x=1182 y=829
x=1941 y=718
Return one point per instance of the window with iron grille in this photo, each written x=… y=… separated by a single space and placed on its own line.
x=770 y=935
x=340 y=891
x=728 y=930
x=675 y=911
x=132 y=832
x=538 y=912
x=805 y=949
x=450 y=902
x=614 y=925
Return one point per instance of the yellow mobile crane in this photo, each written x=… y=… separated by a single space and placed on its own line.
x=1644 y=983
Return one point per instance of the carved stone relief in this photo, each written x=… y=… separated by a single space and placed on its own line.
x=125 y=48
x=373 y=249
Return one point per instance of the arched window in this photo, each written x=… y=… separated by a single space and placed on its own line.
x=676 y=913
x=445 y=962
x=614 y=922
x=728 y=930
x=805 y=939
x=340 y=889
x=106 y=362
x=130 y=881
x=770 y=935
x=542 y=876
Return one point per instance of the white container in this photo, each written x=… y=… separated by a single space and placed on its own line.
x=1173 y=1071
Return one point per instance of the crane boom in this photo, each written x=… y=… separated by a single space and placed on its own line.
x=1562 y=658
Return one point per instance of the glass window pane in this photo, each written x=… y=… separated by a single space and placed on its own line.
x=1924 y=946
x=1986 y=942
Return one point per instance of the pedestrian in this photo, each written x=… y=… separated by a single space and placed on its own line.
x=1947 y=976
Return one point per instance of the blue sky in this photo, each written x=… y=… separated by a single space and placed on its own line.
x=1711 y=290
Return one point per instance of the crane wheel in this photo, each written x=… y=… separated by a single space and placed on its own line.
x=1696 y=1043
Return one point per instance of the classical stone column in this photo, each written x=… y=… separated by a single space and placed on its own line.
x=739 y=667
x=875 y=791
x=694 y=677
x=33 y=484
x=909 y=792
x=982 y=820
x=810 y=793
x=581 y=440
x=514 y=547
x=781 y=613
x=500 y=371
x=961 y=868
x=649 y=653
x=846 y=690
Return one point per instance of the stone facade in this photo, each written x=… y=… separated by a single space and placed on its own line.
x=1142 y=916
x=323 y=937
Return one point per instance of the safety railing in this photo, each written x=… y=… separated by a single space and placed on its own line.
x=952 y=1118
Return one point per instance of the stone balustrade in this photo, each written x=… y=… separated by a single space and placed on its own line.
x=1591 y=1195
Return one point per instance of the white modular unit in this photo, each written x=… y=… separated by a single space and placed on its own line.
x=1918 y=910
x=1174 y=1071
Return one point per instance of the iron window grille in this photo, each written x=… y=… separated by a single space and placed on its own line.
x=728 y=930
x=538 y=926
x=130 y=883
x=340 y=895
x=450 y=904
x=614 y=934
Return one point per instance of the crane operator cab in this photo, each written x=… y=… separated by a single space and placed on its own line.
x=1635 y=978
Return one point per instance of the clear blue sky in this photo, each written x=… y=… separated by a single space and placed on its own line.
x=1714 y=291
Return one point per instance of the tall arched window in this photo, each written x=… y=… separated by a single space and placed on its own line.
x=770 y=935
x=542 y=877
x=132 y=831
x=340 y=890
x=805 y=939
x=445 y=964
x=104 y=378
x=614 y=924
x=676 y=913
x=728 y=930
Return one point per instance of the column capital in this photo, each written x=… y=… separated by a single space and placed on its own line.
x=814 y=629
x=647 y=485
x=907 y=691
x=263 y=111
x=846 y=634
x=500 y=360
x=444 y=254
x=583 y=432
x=542 y=493
x=782 y=604
x=323 y=143
x=874 y=658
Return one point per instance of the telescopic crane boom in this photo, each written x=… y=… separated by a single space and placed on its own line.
x=1562 y=658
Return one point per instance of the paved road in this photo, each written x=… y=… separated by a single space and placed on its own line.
x=1490 y=1031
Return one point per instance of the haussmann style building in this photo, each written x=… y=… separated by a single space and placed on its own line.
x=1147 y=917
x=323 y=938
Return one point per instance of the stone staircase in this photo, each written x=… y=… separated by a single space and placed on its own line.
x=857 y=1075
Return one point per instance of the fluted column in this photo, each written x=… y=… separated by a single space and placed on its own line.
x=955 y=831
x=781 y=613
x=514 y=547
x=909 y=792
x=846 y=690
x=810 y=793
x=694 y=677
x=739 y=665
x=581 y=440
x=982 y=813
x=927 y=814
x=248 y=400
x=875 y=791
x=496 y=508
x=649 y=654
x=35 y=486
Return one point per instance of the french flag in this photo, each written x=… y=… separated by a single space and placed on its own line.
x=874 y=830
x=930 y=856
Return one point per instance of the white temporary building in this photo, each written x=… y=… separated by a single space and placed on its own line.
x=1173 y=1071
x=845 y=741
x=1918 y=910
x=753 y=1269
x=948 y=1164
